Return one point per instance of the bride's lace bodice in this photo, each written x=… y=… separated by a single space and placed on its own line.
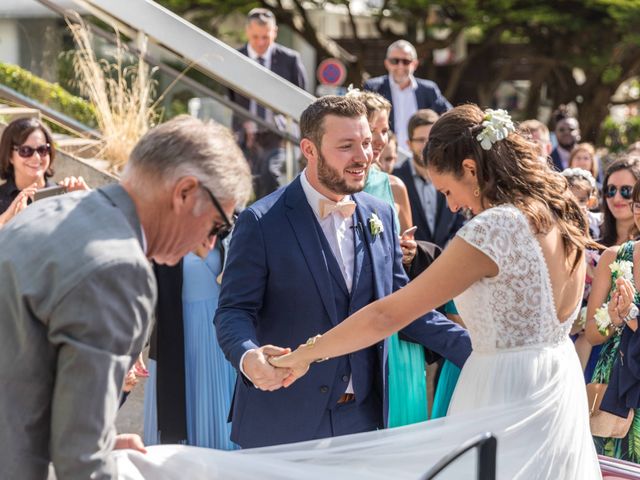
x=516 y=307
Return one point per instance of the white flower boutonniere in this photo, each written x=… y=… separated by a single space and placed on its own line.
x=375 y=225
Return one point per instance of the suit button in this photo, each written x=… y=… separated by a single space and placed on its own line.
x=345 y=378
x=324 y=389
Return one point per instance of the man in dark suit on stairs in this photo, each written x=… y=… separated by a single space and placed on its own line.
x=261 y=31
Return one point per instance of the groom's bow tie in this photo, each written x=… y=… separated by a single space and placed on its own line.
x=344 y=207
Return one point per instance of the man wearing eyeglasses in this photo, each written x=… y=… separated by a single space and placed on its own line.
x=78 y=293
x=406 y=93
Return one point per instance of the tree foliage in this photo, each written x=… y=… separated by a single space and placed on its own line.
x=549 y=39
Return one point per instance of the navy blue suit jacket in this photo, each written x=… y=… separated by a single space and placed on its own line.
x=557 y=162
x=276 y=290
x=428 y=95
x=447 y=222
x=284 y=62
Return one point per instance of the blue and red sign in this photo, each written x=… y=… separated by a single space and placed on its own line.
x=331 y=72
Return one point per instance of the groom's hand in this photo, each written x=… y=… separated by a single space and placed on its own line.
x=262 y=374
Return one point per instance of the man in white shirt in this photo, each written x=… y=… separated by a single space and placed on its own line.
x=406 y=93
x=300 y=262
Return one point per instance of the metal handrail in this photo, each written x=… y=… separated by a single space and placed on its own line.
x=60 y=118
x=486 y=444
x=210 y=55
x=175 y=74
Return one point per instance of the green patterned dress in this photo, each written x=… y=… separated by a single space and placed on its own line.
x=627 y=448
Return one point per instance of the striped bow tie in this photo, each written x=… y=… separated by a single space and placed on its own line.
x=344 y=207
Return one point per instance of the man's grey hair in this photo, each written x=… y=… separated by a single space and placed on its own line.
x=262 y=16
x=186 y=146
x=403 y=45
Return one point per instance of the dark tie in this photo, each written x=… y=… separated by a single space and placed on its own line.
x=260 y=109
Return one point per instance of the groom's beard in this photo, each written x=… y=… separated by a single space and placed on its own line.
x=335 y=181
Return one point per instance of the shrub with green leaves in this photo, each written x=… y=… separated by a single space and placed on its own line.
x=49 y=94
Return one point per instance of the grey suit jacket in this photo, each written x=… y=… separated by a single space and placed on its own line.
x=76 y=298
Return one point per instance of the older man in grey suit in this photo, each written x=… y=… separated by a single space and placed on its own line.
x=78 y=293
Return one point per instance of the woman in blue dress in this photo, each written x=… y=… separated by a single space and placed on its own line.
x=196 y=414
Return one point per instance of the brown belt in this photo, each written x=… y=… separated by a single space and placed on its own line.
x=346 y=397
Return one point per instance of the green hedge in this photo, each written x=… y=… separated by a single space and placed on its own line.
x=49 y=94
x=618 y=137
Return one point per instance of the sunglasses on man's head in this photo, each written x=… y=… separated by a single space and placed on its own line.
x=403 y=61
x=219 y=230
x=625 y=191
x=25 y=151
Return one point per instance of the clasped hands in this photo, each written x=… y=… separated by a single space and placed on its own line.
x=620 y=302
x=270 y=367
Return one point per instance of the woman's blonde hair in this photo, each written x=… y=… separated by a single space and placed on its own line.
x=585 y=147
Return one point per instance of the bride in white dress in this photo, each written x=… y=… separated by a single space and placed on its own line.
x=517 y=273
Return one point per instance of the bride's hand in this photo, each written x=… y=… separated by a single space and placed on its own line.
x=291 y=361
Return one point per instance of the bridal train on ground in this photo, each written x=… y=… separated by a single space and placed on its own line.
x=522 y=382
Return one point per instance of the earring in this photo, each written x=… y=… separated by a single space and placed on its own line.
x=476 y=192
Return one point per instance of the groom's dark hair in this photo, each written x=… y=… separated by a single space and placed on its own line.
x=312 y=119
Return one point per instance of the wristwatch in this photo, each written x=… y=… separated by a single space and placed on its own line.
x=633 y=313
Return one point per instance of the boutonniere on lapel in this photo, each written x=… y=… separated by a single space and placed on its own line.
x=375 y=225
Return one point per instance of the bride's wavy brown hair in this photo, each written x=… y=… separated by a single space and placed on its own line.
x=510 y=172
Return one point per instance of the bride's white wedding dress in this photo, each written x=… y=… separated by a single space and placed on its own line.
x=522 y=382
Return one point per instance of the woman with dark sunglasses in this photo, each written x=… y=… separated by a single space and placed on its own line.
x=617 y=228
x=27 y=154
x=620 y=177
x=620 y=347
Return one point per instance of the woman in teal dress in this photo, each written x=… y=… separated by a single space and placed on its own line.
x=407 y=375
x=447 y=379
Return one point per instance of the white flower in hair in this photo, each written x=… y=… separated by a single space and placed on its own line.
x=582 y=173
x=497 y=126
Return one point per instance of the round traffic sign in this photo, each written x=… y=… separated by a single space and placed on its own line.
x=331 y=71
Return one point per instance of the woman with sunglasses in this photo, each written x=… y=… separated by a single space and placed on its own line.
x=27 y=155
x=617 y=227
x=620 y=177
x=618 y=339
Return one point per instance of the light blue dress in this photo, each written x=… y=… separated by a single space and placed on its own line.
x=407 y=377
x=209 y=378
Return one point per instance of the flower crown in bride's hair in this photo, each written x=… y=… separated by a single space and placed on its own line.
x=497 y=126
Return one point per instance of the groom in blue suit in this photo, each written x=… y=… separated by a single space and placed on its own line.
x=300 y=261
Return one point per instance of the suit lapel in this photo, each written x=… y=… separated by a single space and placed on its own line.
x=374 y=245
x=275 y=60
x=385 y=91
x=359 y=250
x=303 y=223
